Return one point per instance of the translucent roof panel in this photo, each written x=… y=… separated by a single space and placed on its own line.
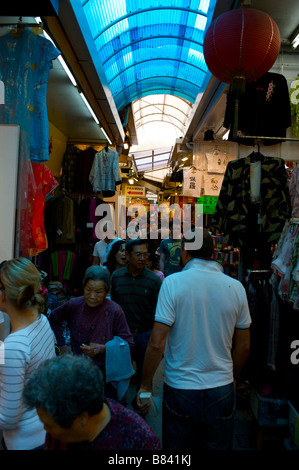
x=150 y=47
x=151 y=160
x=164 y=108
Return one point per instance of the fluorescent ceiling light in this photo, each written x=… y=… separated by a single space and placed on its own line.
x=89 y=107
x=225 y=136
x=295 y=41
x=103 y=130
x=67 y=70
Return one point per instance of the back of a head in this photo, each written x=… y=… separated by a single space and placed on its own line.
x=65 y=387
x=206 y=248
x=21 y=282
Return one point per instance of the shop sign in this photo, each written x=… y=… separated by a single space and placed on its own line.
x=135 y=191
x=209 y=204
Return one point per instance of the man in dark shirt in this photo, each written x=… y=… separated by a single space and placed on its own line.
x=135 y=288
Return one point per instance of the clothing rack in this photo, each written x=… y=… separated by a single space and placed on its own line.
x=258 y=137
x=258 y=274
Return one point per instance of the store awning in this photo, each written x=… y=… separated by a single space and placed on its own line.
x=149 y=47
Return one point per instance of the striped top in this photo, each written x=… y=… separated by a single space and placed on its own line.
x=137 y=296
x=24 y=350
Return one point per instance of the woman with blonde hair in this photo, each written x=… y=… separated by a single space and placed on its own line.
x=29 y=343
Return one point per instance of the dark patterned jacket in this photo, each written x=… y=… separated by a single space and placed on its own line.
x=232 y=215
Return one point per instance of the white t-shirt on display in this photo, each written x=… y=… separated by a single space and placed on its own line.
x=203 y=306
x=255 y=181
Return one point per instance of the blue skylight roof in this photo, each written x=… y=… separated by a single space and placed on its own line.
x=150 y=47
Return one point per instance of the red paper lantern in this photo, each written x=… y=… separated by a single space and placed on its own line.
x=243 y=42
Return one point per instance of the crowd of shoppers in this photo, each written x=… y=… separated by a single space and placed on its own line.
x=131 y=313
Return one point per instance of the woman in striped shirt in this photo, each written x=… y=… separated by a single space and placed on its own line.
x=29 y=343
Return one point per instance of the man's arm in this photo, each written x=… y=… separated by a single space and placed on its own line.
x=162 y=262
x=241 y=349
x=153 y=356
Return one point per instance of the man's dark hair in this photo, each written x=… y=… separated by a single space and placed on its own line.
x=65 y=387
x=207 y=248
x=135 y=242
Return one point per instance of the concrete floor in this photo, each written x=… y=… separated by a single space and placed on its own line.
x=247 y=435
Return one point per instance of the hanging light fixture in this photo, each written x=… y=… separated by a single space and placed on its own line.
x=240 y=46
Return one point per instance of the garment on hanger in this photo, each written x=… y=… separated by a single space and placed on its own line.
x=86 y=219
x=259 y=295
x=212 y=184
x=33 y=238
x=26 y=61
x=62 y=265
x=285 y=264
x=69 y=169
x=84 y=165
x=105 y=174
x=294 y=99
x=216 y=162
x=263 y=110
x=236 y=216
x=294 y=190
x=60 y=221
x=192 y=182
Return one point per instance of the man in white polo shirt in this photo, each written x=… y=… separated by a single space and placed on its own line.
x=202 y=325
